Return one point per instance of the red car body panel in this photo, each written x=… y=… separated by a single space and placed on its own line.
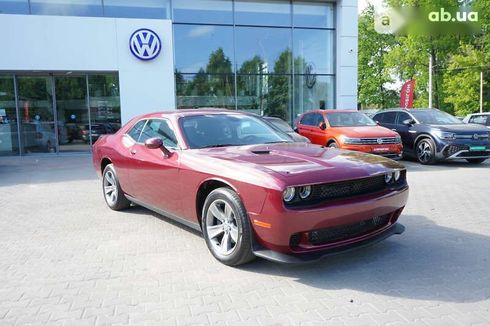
x=258 y=173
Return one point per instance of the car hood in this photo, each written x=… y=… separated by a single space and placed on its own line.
x=461 y=128
x=294 y=163
x=367 y=132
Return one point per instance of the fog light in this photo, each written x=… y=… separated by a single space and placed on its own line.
x=288 y=194
x=304 y=192
x=397 y=175
x=388 y=177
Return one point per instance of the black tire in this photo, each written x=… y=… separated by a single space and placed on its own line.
x=241 y=252
x=333 y=145
x=425 y=151
x=115 y=199
x=476 y=160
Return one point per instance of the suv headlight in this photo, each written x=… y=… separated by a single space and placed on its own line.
x=445 y=135
x=398 y=139
x=351 y=141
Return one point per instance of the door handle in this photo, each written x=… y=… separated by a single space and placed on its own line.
x=132 y=152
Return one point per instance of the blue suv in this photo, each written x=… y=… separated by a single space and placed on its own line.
x=431 y=135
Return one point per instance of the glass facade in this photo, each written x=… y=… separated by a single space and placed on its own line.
x=56 y=113
x=272 y=57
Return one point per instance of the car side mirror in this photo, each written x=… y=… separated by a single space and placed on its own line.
x=155 y=143
x=322 y=125
x=408 y=122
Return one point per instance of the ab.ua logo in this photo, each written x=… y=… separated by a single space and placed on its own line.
x=388 y=21
x=145 y=44
x=459 y=16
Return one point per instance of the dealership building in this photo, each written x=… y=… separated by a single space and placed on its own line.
x=73 y=69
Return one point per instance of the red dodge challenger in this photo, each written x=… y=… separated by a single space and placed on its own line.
x=248 y=187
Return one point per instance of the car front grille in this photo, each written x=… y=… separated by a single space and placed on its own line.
x=453 y=149
x=378 y=141
x=347 y=231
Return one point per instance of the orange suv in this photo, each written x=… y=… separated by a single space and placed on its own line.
x=349 y=129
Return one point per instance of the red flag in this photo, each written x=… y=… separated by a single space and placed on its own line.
x=406 y=96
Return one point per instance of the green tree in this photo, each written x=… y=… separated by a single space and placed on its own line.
x=374 y=75
x=278 y=98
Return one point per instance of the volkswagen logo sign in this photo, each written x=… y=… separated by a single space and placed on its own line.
x=476 y=136
x=379 y=141
x=145 y=44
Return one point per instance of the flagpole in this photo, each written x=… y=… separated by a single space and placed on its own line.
x=481 y=91
x=430 y=81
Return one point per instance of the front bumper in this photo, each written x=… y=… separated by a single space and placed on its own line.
x=276 y=226
x=279 y=257
x=460 y=150
x=393 y=151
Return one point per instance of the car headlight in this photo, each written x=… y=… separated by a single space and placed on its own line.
x=388 y=177
x=444 y=135
x=288 y=194
x=349 y=140
x=304 y=192
x=398 y=139
x=396 y=175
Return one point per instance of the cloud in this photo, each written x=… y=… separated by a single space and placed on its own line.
x=199 y=31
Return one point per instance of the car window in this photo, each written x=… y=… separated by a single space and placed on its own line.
x=480 y=119
x=349 y=119
x=159 y=128
x=386 y=117
x=402 y=116
x=317 y=119
x=307 y=119
x=281 y=125
x=136 y=130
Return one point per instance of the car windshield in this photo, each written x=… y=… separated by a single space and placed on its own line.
x=349 y=119
x=219 y=130
x=434 y=117
x=281 y=125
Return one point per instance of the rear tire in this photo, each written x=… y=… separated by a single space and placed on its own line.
x=226 y=228
x=476 y=160
x=425 y=151
x=113 y=194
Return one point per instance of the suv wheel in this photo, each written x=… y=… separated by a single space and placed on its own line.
x=426 y=151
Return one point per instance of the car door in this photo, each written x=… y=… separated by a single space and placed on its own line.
x=304 y=126
x=406 y=132
x=156 y=180
x=318 y=133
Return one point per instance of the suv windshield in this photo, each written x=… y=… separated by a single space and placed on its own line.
x=349 y=119
x=218 y=130
x=434 y=117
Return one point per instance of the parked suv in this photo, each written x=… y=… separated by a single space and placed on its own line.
x=349 y=129
x=431 y=135
x=478 y=118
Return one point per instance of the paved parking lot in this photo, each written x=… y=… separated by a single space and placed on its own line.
x=66 y=259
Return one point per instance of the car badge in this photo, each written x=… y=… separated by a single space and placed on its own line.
x=476 y=136
x=379 y=141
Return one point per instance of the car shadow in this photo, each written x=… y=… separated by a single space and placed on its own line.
x=427 y=262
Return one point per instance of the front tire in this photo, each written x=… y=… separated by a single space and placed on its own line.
x=426 y=151
x=476 y=160
x=333 y=145
x=113 y=194
x=226 y=228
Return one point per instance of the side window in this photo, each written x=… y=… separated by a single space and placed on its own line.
x=480 y=119
x=136 y=130
x=379 y=117
x=307 y=119
x=389 y=117
x=159 y=128
x=318 y=119
x=402 y=116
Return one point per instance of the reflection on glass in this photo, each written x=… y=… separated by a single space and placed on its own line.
x=14 y=7
x=105 y=107
x=204 y=90
x=137 y=9
x=203 y=48
x=313 y=92
x=9 y=141
x=67 y=7
x=265 y=13
x=36 y=110
x=202 y=11
x=313 y=14
x=265 y=94
x=313 y=51
x=263 y=50
x=72 y=113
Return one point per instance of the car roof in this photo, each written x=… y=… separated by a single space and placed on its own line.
x=330 y=111
x=406 y=110
x=190 y=112
x=478 y=113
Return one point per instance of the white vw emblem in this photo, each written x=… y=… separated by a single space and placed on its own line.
x=379 y=141
x=145 y=44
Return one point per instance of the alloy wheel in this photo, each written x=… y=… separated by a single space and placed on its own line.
x=222 y=227
x=424 y=152
x=110 y=187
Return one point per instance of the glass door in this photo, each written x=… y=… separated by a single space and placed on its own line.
x=35 y=98
x=9 y=143
x=72 y=113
